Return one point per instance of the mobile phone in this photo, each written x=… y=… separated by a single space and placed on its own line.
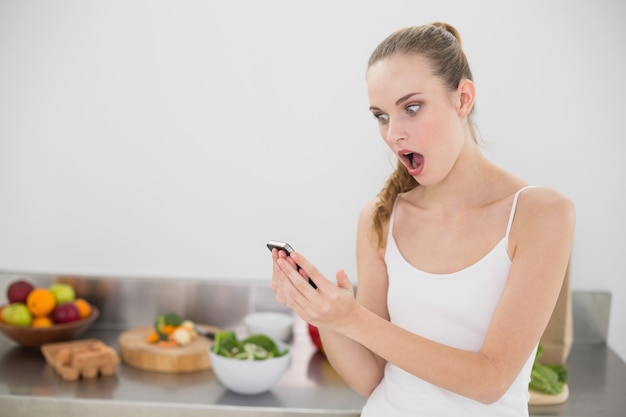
x=286 y=247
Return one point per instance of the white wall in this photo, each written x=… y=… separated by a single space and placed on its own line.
x=172 y=139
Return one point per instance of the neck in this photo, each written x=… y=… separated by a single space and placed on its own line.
x=469 y=184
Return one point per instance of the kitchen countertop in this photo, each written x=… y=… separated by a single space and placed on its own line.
x=29 y=387
x=310 y=387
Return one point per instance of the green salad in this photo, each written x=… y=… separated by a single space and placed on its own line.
x=255 y=347
x=548 y=379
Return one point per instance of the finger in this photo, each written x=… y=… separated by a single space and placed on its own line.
x=287 y=257
x=310 y=271
x=299 y=279
x=277 y=285
x=343 y=281
x=279 y=254
x=294 y=298
x=278 y=276
x=288 y=293
x=274 y=284
x=291 y=261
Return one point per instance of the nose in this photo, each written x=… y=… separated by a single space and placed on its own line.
x=395 y=132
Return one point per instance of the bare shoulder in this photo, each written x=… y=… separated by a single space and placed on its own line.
x=545 y=210
x=366 y=219
x=368 y=210
x=547 y=203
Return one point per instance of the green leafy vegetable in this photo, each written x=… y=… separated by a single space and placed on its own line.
x=255 y=347
x=548 y=379
x=266 y=343
x=261 y=340
x=171 y=319
x=159 y=322
x=226 y=344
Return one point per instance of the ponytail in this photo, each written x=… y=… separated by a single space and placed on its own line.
x=399 y=182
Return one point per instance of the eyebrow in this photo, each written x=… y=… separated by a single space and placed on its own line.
x=400 y=100
x=405 y=98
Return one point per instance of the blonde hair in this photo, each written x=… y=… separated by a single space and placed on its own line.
x=440 y=43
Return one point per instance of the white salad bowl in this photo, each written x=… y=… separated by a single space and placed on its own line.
x=250 y=377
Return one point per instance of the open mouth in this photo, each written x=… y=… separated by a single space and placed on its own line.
x=412 y=160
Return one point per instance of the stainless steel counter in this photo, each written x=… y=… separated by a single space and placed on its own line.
x=29 y=387
x=310 y=387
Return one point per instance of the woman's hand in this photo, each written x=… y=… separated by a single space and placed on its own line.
x=329 y=306
x=277 y=275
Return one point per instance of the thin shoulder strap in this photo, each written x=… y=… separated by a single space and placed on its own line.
x=391 y=216
x=512 y=215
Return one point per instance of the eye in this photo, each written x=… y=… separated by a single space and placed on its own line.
x=381 y=117
x=412 y=109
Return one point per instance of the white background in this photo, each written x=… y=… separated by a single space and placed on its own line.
x=172 y=139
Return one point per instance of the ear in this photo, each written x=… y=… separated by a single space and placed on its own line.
x=466 y=95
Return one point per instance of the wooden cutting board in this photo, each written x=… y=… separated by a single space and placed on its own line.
x=138 y=353
x=540 y=398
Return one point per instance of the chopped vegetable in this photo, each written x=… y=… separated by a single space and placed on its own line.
x=167 y=343
x=265 y=342
x=182 y=336
x=159 y=322
x=226 y=344
x=255 y=347
x=152 y=337
x=170 y=319
x=252 y=352
x=173 y=319
x=168 y=329
x=173 y=329
x=190 y=326
x=548 y=379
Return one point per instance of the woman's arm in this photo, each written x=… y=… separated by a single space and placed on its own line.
x=358 y=366
x=540 y=245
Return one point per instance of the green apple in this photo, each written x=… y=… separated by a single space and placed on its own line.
x=63 y=293
x=17 y=314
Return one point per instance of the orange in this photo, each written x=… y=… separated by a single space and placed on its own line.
x=84 y=308
x=41 y=321
x=2 y=313
x=41 y=302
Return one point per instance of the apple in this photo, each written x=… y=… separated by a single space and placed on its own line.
x=18 y=291
x=65 y=313
x=63 y=293
x=17 y=314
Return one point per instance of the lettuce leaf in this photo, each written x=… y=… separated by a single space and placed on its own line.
x=255 y=347
x=226 y=344
x=549 y=379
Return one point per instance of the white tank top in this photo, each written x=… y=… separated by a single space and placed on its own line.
x=454 y=309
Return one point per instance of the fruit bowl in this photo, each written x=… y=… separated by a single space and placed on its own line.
x=37 y=336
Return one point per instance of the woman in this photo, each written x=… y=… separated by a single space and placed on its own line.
x=459 y=262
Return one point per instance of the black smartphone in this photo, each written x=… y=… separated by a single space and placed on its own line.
x=286 y=247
